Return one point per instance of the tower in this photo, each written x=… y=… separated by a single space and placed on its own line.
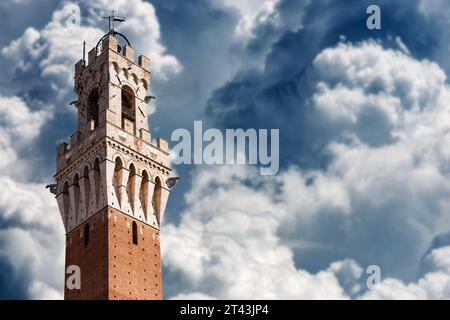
x=111 y=182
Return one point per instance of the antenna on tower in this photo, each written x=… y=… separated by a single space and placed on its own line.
x=84 y=53
x=112 y=19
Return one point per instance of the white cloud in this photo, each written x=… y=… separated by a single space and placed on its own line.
x=52 y=51
x=402 y=46
x=20 y=123
x=433 y=285
x=253 y=14
x=19 y=126
x=380 y=201
x=371 y=68
x=230 y=247
x=33 y=239
x=34 y=243
x=227 y=246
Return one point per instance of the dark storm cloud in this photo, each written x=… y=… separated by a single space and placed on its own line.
x=199 y=35
x=12 y=287
x=278 y=96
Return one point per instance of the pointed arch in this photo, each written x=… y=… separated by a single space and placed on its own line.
x=156 y=200
x=97 y=181
x=144 y=84
x=143 y=193
x=117 y=178
x=125 y=73
x=76 y=194
x=135 y=78
x=87 y=190
x=66 y=200
x=116 y=67
x=131 y=186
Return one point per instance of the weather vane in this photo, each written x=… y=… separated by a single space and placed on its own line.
x=112 y=19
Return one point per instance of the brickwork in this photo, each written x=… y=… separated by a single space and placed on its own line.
x=92 y=258
x=135 y=268
x=112 y=266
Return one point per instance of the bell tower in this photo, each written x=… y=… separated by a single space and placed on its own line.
x=112 y=182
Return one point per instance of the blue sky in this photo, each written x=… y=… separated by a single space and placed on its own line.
x=364 y=123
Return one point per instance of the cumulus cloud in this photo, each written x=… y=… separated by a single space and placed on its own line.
x=31 y=235
x=252 y=15
x=230 y=246
x=19 y=127
x=42 y=60
x=381 y=199
x=32 y=240
x=260 y=24
x=35 y=256
x=433 y=285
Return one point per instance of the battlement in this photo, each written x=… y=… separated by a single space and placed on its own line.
x=110 y=43
x=67 y=154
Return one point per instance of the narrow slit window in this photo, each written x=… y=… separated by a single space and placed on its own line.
x=135 y=233
x=86 y=234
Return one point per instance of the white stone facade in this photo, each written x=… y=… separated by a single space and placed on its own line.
x=111 y=160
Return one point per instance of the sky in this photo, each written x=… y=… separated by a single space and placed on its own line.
x=364 y=119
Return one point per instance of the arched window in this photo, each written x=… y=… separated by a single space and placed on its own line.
x=86 y=234
x=156 y=201
x=87 y=190
x=144 y=84
x=76 y=193
x=116 y=67
x=66 y=200
x=97 y=182
x=128 y=109
x=92 y=106
x=143 y=193
x=131 y=184
x=135 y=232
x=117 y=178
